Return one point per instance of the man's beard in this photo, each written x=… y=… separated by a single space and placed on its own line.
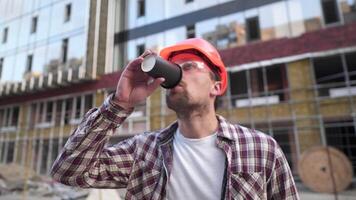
x=177 y=102
x=182 y=103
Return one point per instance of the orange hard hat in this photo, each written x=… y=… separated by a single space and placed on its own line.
x=206 y=50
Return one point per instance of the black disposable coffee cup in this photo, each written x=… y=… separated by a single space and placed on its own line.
x=157 y=67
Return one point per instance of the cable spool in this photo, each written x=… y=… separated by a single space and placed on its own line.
x=325 y=169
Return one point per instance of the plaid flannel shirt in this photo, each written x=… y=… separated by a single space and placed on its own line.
x=256 y=167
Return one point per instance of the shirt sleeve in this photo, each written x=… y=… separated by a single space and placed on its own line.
x=86 y=162
x=281 y=184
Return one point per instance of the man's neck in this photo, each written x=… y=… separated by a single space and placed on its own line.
x=198 y=125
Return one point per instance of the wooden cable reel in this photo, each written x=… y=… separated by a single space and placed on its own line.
x=325 y=169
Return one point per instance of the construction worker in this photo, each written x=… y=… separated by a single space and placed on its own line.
x=200 y=156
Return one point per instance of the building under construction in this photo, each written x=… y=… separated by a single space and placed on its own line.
x=291 y=65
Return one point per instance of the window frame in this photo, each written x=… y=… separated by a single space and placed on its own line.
x=29 y=63
x=336 y=10
x=249 y=37
x=64 y=50
x=190 y=31
x=140 y=49
x=9 y=123
x=34 y=24
x=262 y=95
x=2 y=61
x=5 y=35
x=141 y=8
x=67 y=12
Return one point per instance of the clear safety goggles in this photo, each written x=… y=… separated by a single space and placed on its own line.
x=193 y=65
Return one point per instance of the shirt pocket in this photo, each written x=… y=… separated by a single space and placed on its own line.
x=247 y=185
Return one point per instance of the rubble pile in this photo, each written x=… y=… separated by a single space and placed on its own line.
x=17 y=182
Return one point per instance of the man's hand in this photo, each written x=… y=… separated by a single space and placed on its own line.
x=134 y=85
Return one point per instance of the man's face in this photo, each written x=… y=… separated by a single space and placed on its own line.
x=196 y=89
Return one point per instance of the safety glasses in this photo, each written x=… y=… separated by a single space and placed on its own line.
x=193 y=66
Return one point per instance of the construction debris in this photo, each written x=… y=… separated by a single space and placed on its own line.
x=14 y=184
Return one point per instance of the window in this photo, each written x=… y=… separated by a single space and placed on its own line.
x=15 y=116
x=188 y=1
x=58 y=117
x=32 y=116
x=140 y=49
x=191 y=31
x=64 y=50
x=88 y=102
x=238 y=84
x=141 y=8
x=253 y=29
x=277 y=82
x=55 y=149
x=36 y=153
x=45 y=150
x=68 y=110
x=77 y=109
x=256 y=82
x=2 y=112
x=330 y=11
x=351 y=67
x=10 y=151
x=4 y=35
x=284 y=135
x=49 y=111
x=34 y=24
x=67 y=12
x=1 y=66
x=259 y=86
x=43 y=117
x=348 y=9
x=9 y=118
x=3 y=149
x=41 y=113
x=29 y=63
x=342 y=135
x=329 y=75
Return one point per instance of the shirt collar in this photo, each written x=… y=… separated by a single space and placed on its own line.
x=225 y=130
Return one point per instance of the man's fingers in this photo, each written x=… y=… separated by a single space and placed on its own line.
x=147 y=52
x=135 y=64
x=154 y=85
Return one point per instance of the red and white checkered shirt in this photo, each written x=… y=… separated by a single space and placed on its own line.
x=256 y=167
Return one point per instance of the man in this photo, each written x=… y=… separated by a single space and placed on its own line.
x=200 y=156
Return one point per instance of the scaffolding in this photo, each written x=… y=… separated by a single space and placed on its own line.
x=296 y=115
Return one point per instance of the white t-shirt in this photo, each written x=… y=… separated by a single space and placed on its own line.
x=198 y=169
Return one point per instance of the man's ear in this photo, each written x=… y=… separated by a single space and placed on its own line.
x=216 y=89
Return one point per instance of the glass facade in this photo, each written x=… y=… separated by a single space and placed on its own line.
x=38 y=28
x=281 y=19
